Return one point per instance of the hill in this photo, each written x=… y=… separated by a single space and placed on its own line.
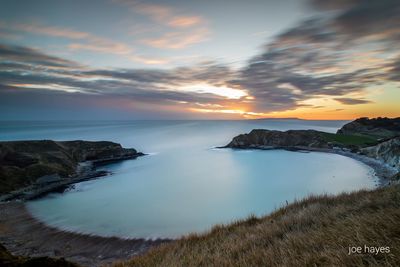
x=316 y=231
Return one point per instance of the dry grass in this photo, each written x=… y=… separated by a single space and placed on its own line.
x=316 y=231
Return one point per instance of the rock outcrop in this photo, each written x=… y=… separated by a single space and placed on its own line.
x=379 y=128
x=24 y=163
x=277 y=139
x=7 y=259
x=387 y=152
x=363 y=136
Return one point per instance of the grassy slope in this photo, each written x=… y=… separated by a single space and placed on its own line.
x=316 y=231
x=357 y=140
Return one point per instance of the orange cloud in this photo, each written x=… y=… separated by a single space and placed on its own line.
x=178 y=40
x=149 y=60
x=187 y=29
x=184 y=21
x=167 y=15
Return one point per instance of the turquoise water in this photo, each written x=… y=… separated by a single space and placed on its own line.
x=184 y=185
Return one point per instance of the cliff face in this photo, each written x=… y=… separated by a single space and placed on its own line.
x=378 y=127
x=23 y=162
x=387 y=152
x=292 y=138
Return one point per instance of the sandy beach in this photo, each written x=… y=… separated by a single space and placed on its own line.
x=23 y=235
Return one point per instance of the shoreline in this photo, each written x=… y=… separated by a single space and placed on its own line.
x=24 y=235
x=87 y=172
x=381 y=170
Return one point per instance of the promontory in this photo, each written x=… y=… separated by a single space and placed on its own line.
x=30 y=168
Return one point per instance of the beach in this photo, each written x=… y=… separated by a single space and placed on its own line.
x=23 y=235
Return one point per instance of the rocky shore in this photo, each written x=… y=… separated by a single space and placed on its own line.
x=375 y=142
x=30 y=169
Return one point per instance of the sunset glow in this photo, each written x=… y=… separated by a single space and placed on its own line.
x=177 y=59
x=224 y=91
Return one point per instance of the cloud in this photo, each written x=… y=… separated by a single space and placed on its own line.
x=185 y=21
x=329 y=57
x=394 y=70
x=163 y=14
x=103 y=47
x=341 y=53
x=180 y=30
x=352 y=101
x=178 y=40
x=164 y=88
x=26 y=55
x=51 y=31
x=87 y=41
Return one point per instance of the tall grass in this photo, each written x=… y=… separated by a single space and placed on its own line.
x=316 y=231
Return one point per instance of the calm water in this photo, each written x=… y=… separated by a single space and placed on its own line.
x=185 y=185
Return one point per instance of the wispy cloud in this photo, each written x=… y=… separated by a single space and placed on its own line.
x=21 y=56
x=352 y=101
x=180 y=29
x=51 y=31
x=327 y=57
x=178 y=40
x=88 y=41
x=80 y=40
x=31 y=70
x=163 y=14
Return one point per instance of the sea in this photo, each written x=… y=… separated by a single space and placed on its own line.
x=185 y=184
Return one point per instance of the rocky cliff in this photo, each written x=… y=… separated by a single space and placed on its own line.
x=387 y=152
x=379 y=128
x=23 y=163
x=371 y=137
x=276 y=139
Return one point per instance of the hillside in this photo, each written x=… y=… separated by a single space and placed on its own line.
x=379 y=128
x=387 y=151
x=271 y=139
x=24 y=163
x=375 y=138
x=316 y=231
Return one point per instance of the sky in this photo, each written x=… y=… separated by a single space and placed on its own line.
x=133 y=59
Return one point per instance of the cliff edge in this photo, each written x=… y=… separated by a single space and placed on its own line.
x=27 y=163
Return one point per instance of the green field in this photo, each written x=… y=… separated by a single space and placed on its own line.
x=357 y=140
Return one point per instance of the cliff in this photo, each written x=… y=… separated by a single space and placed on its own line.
x=25 y=163
x=299 y=139
x=387 y=152
x=276 y=139
x=379 y=128
x=362 y=136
